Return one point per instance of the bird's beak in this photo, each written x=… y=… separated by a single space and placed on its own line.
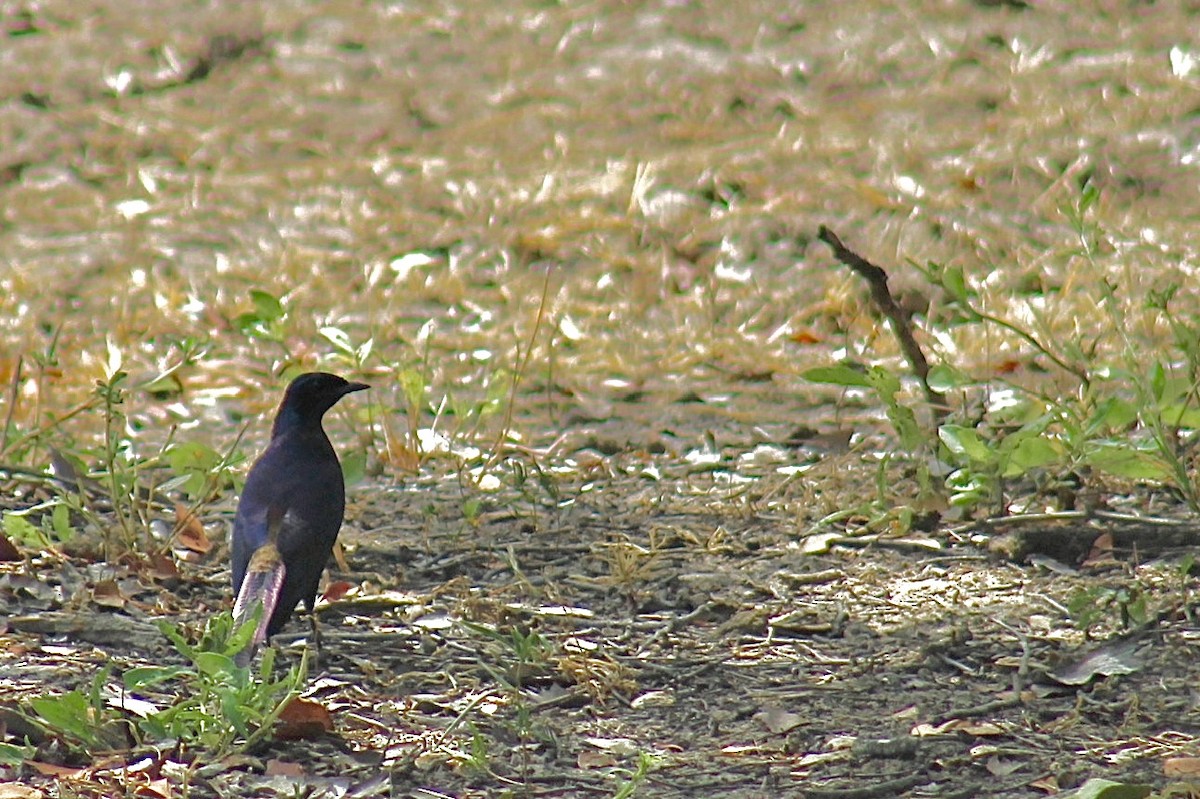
x=352 y=387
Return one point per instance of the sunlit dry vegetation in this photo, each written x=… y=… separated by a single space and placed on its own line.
x=645 y=495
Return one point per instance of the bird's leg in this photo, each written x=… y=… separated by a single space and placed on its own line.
x=316 y=635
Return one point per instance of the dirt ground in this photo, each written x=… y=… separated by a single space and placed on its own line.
x=688 y=572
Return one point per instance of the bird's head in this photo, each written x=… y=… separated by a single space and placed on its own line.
x=309 y=396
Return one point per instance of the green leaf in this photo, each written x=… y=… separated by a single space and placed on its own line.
x=412 y=384
x=177 y=640
x=23 y=531
x=354 y=466
x=839 y=375
x=67 y=713
x=943 y=378
x=966 y=443
x=339 y=339
x=1031 y=453
x=1123 y=460
x=212 y=664
x=195 y=463
x=1087 y=198
x=60 y=521
x=231 y=641
x=968 y=488
x=1158 y=380
x=885 y=383
x=13 y=755
x=1107 y=789
x=1087 y=606
x=267 y=307
x=192 y=456
x=955 y=282
x=498 y=388
x=146 y=676
x=905 y=422
x=1111 y=414
x=1183 y=415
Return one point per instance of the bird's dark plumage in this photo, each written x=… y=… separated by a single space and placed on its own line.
x=291 y=508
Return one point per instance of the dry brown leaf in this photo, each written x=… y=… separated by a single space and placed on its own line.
x=1102 y=550
x=8 y=551
x=303 y=719
x=189 y=532
x=156 y=789
x=162 y=567
x=107 y=594
x=806 y=336
x=336 y=590
x=284 y=768
x=591 y=758
x=53 y=770
x=968 y=726
x=1182 y=767
x=1047 y=784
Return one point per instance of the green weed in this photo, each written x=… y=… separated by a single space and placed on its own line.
x=213 y=704
x=1123 y=420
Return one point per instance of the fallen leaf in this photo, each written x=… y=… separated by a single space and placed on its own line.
x=284 y=768
x=107 y=594
x=189 y=532
x=303 y=719
x=806 y=336
x=336 y=590
x=999 y=767
x=162 y=567
x=591 y=758
x=957 y=725
x=156 y=789
x=1048 y=784
x=778 y=720
x=52 y=770
x=624 y=747
x=1120 y=656
x=8 y=552
x=1102 y=550
x=1181 y=766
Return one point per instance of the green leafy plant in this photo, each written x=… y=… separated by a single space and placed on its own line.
x=214 y=704
x=82 y=716
x=1123 y=420
x=354 y=356
x=267 y=321
x=118 y=462
x=200 y=470
x=646 y=763
x=15 y=754
x=1129 y=604
x=53 y=528
x=218 y=703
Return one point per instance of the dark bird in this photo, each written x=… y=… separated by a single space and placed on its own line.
x=291 y=508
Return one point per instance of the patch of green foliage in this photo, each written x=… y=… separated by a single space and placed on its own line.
x=213 y=704
x=1125 y=418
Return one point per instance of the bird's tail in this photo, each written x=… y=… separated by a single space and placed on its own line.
x=261 y=586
